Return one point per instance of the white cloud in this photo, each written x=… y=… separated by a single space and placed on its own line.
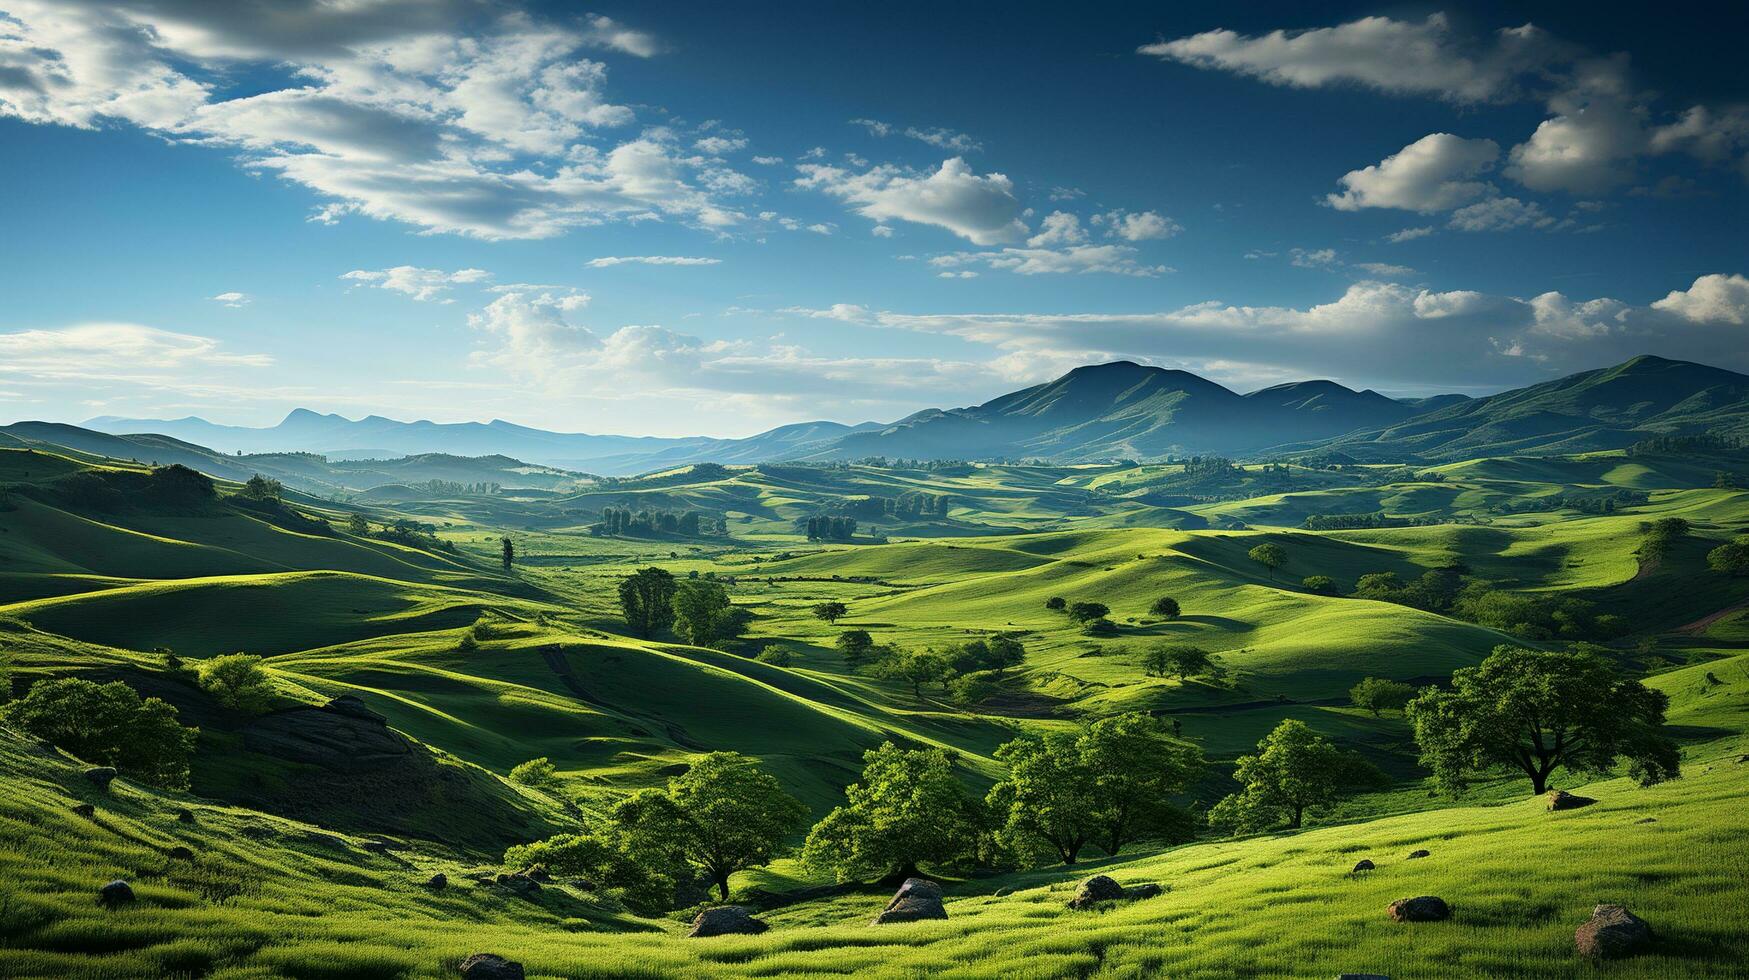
x=233 y=299
x=1500 y=214
x=1434 y=173
x=611 y=260
x=1137 y=226
x=113 y=351
x=719 y=145
x=1313 y=258
x=1385 y=270
x=1591 y=146
x=981 y=209
x=881 y=231
x=605 y=32
x=421 y=284
x=1409 y=234
x=1072 y=259
x=1058 y=228
x=938 y=137
x=1713 y=298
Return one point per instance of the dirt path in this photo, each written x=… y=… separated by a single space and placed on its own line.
x=1700 y=625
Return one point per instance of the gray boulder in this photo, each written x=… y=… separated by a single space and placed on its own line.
x=490 y=966
x=1364 y=864
x=101 y=776
x=1419 y=854
x=1426 y=908
x=84 y=809
x=726 y=920
x=116 y=893
x=179 y=853
x=185 y=815
x=1099 y=888
x=341 y=736
x=1560 y=799
x=519 y=883
x=437 y=882
x=1136 y=893
x=1612 y=932
x=917 y=898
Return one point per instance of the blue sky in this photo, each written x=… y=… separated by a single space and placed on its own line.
x=702 y=218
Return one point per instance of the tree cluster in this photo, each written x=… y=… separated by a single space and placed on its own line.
x=829 y=528
x=108 y=724
x=618 y=521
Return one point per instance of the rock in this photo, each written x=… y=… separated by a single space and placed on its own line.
x=1364 y=976
x=538 y=872
x=84 y=809
x=185 y=815
x=179 y=853
x=519 y=883
x=352 y=707
x=1426 y=908
x=1099 y=888
x=1419 y=854
x=726 y=920
x=1560 y=799
x=375 y=846
x=1612 y=932
x=116 y=893
x=490 y=966
x=101 y=776
x=1647 y=820
x=437 y=882
x=342 y=736
x=917 y=898
x=1136 y=893
x=1363 y=864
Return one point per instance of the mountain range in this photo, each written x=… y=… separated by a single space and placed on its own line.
x=1105 y=411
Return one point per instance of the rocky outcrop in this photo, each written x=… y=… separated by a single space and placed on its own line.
x=1101 y=888
x=101 y=776
x=1560 y=799
x=490 y=966
x=1612 y=932
x=1426 y=908
x=115 y=894
x=917 y=898
x=1362 y=865
x=726 y=920
x=437 y=882
x=1413 y=855
x=341 y=736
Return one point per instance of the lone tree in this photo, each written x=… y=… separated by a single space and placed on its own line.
x=1294 y=770
x=722 y=816
x=108 y=724
x=1376 y=694
x=1108 y=784
x=1270 y=555
x=916 y=668
x=263 y=489
x=507 y=551
x=830 y=611
x=357 y=525
x=1165 y=607
x=539 y=773
x=1536 y=711
x=856 y=646
x=908 y=809
x=1319 y=584
x=1177 y=661
x=237 y=682
x=705 y=616
x=647 y=599
x=1087 y=612
x=1056 y=603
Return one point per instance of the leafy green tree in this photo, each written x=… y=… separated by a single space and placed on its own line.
x=908 y=809
x=1177 y=660
x=1108 y=784
x=1056 y=603
x=831 y=612
x=1005 y=652
x=1731 y=559
x=1086 y=612
x=704 y=615
x=507 y=552
x=1270 y=555
x=1099 y=627
x=916 y=668
x=856 y=646
x=237 y=682
x=1537 y=711
x=1376 y=694
x=601 y=857
x=357 y=525
x=263 y=489
x=539 y=773
x=1294 y=770
x=722 y=816
x=108 y=724
x=1165 y=607
x=1319 y=584
x=647 y=601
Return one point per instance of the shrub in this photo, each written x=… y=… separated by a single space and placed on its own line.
x=1082 y=612
x=1319 y=584
x=1056 y=603
x=539 y=773
x=1165 y=607
x=776 y=656
x=1376 y=694
x=108 y=724
x=1100 y=627
x=238 y=683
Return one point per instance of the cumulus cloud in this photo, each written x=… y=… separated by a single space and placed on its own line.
x=1435 y=173
x=421 y=284
x=234 y=300
x=1591 y=146
x=448 y=115
x=1711 y=299
x=1058 y=228
x=612 y=260
x=1137 y=226
x=981 y=209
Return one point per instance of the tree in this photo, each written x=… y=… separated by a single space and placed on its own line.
x=263 y=489
x=1294 y=770
x=916 y=668
x=507 y=552
x=357 y=525
x=1085 y=612
x=1108 y=784
x=1376 y=694
x=237 y=682
x=1537 y=711
x=1270 y=555
x=1319 y=584
x=1177 y=660
x=539 y=773
x=704 y=615
x=1731 y=559
x=108 y=724
x=647 y=600
x=602 y=858
x=721 y=816
x=1056 y=603
x=907 y=809
x=1165 y=607
x=830 y=611
x=856 y=646
x=1004 y=652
